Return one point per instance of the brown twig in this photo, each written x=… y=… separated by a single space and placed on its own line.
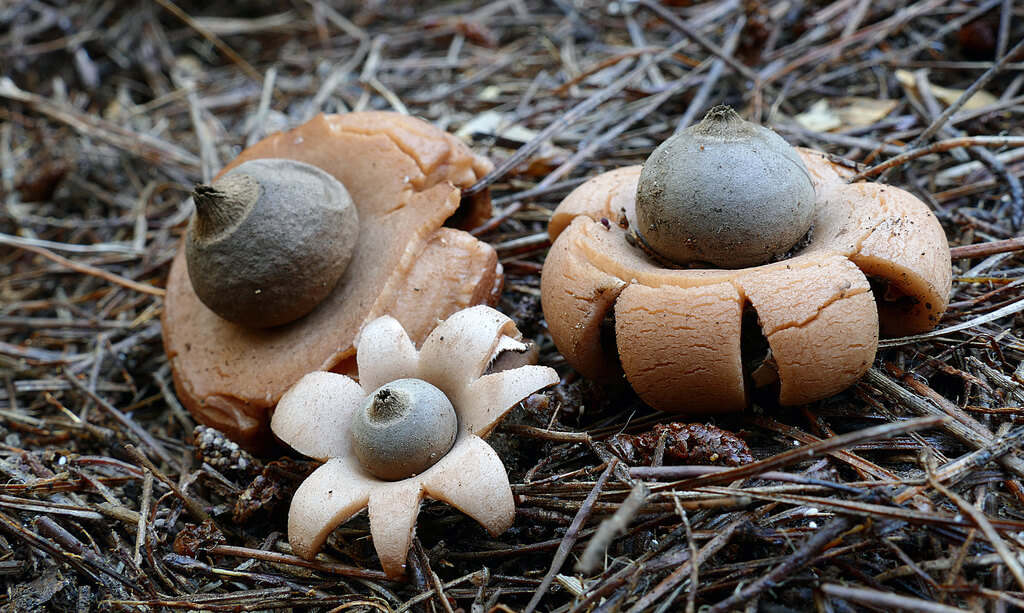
x=720 y=540
x=938 y=147
x=283 y=558
x=814 y=450
x=195 y=509
x=821 y=539
x=140 y=433
x=85 y=269
x=175 y=10
x=570 y=538
x=885 y=600
x=985 y=525
x=565 y=120
x=983 y=250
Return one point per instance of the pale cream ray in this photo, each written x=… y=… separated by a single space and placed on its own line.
x=490 y=397
x=472 y=479
x=330 y=496
x=460 y=347
x=313 y=416
x=385 y=354
x=393 y=509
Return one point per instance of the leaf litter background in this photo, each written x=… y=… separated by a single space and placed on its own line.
x=903 y=492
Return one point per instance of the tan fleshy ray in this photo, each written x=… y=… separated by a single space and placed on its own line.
x=393 y=509
x=680 y=346
x=459 y=348
x=472 y=479
x=313 y=416
x=330 y=496
x=385 y=354
x=490 y=397
x=906 y=246
x=577 y=297
x=821 y=324
x=891 y=235
x=608 y=195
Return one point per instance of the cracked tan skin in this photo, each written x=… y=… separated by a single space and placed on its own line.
x=405 y=178
x=677 y=331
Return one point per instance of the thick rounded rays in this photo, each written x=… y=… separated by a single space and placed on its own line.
x=327 y=498
x=877 y=260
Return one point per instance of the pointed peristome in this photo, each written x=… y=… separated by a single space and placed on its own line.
x=724 y=123
x=269 y=241
x=224 y=204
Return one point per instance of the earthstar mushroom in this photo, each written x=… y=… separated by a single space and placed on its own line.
x=405 y=178
x=676 y=333
x=317 y=417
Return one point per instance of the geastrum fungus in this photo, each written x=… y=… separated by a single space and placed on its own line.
x=679 y=273
x=260 y=294
x=411 y=428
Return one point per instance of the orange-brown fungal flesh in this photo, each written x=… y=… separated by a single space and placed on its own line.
x=822 y=329
x=608 y=195
x=820 y=321
x=899 y=248
x=579 y=295
x=652 y=326
x=404 y=177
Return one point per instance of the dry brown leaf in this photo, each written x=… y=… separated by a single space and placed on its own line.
x=947 y=95
x=827 y=115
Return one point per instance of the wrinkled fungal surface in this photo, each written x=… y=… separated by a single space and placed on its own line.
x=404 y=177
x=677 y=332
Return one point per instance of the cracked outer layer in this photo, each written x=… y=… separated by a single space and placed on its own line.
x=405 y=178
x=677 y=331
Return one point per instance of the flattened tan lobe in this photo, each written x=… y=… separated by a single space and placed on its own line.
x=576 y=297
x=604 y=196
x=680 y=347
x=820 y=322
